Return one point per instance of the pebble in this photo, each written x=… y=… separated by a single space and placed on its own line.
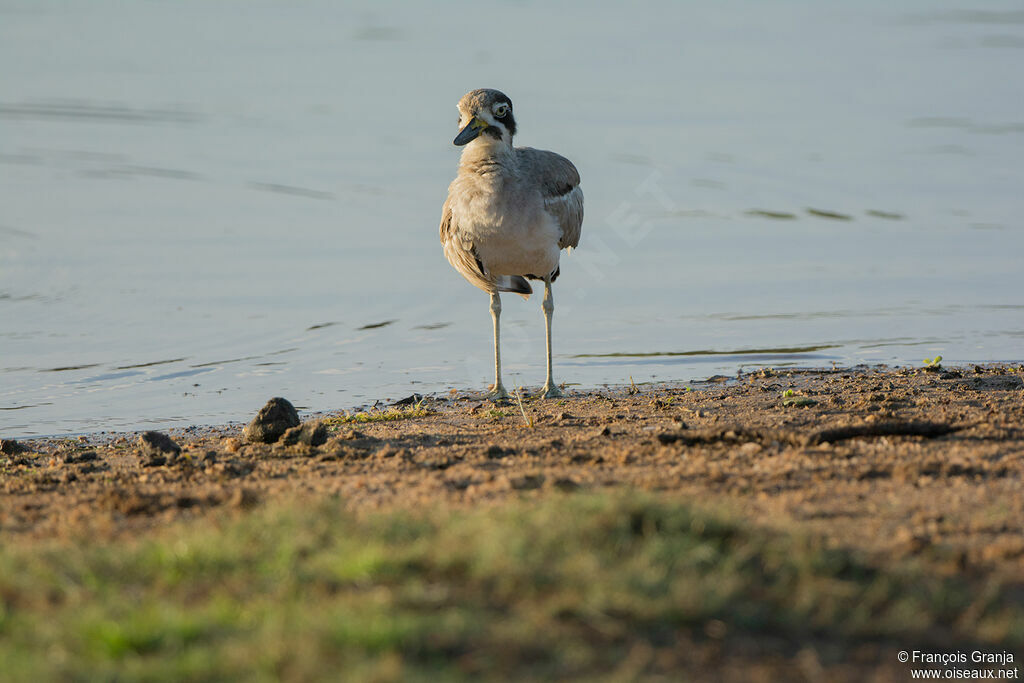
x=312 y=433
x=273 y=420
x=11 y=447
x=158 y=442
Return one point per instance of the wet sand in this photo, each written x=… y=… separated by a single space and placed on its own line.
x=892 y=462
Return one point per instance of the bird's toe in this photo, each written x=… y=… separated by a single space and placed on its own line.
x=552 y=391
x=497 y=392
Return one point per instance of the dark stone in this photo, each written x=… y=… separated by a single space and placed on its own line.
x=495 y=451
x=157 y=449
x=668 y=437
x=273 y=420
x=75 y=458
x=243 y=498
x=311 y=434
x=11 y=447
x=527 y=482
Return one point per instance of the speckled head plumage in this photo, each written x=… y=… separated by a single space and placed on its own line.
x=487 y=112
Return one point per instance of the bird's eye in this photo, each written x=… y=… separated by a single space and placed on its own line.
x=500 y=110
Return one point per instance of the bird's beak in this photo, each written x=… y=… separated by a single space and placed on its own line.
x=470 y=132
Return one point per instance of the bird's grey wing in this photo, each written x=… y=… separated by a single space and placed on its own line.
x=559 y=184
x=459 y=251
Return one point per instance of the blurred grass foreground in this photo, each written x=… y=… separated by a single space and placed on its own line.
x=587 y=586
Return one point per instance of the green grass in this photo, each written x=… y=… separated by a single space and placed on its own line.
x=389 y=415
x=560 y=588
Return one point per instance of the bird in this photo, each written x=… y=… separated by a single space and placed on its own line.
x=509 y=213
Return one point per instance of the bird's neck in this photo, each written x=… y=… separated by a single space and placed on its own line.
x=486 y=152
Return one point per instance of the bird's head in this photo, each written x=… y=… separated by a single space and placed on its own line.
x=486 y=115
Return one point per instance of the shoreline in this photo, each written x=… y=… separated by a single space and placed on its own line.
x=750 y=440
x=102 y=436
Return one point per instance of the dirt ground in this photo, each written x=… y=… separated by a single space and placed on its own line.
x=890 y=462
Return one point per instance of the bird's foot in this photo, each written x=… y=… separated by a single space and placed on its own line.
x=551 y=390
x=497 y=392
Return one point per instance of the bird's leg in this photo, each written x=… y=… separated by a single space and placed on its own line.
x=498 y=390
x=550 y=389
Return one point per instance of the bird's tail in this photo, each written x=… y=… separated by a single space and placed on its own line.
x=515 y=283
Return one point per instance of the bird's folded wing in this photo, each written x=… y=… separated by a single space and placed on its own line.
x=459 y=251
x=560 y=186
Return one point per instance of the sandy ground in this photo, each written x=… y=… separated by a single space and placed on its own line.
x=890 y=462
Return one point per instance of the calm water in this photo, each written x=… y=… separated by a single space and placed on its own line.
x=203 y=205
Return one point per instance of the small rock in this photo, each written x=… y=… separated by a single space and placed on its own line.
x=273 y=420
x=243 y=498
x=409 y=400
x=527 y=482
x=311 y=434
x=157 y=449
x=11 y=447
x=566 y=484
x=75 y=458
x=496 y=451
x=799 y=402
x=605 y=431
x=750 y=448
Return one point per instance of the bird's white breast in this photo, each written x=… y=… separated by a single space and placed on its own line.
x=507 y=224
